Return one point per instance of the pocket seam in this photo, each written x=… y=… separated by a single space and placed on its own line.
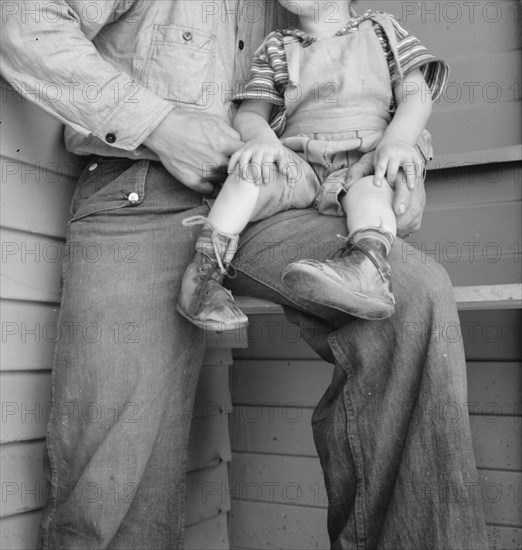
x=139 y=188
x=209 y=51
x=196 y=32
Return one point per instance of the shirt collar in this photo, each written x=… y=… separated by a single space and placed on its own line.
x=306 y=39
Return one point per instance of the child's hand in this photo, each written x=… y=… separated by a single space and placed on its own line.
x=390 y=156
x=257 y=159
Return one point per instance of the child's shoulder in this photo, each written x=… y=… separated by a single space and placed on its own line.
x=386 y=19
x=275 y=40
x=280 y=35
x=277 y=34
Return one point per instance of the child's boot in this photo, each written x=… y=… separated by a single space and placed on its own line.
x=203 y=300
x=358 y=282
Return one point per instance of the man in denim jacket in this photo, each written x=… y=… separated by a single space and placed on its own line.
x=144 y=86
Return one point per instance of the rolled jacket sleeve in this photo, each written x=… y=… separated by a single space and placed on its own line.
x=48 y=56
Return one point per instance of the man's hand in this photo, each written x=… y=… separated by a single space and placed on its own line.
x=192 y=145
x=408 y=204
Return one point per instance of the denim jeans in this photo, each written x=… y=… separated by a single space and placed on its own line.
x=392 y=430
x=127 y=365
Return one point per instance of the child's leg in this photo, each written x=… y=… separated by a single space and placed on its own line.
x=369 y=212
x=235 y=204
x=359 y=281
x=202 y=299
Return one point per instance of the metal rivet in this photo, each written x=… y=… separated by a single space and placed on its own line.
x=133 y=198
x=187 y=36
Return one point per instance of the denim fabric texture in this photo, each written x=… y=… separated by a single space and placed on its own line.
x=391 y=463
x=118 y=481
x=399 y=472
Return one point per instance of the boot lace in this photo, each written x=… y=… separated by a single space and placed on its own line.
x=222 y=259
x=349 y=246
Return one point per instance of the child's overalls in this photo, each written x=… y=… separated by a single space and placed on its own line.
x=338 y=105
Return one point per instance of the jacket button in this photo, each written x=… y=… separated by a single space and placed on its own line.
x=187 y=36
x=133 y=198
x=93 y=167
x=110 y=138
x=241 y=44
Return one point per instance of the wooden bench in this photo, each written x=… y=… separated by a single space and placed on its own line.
x=480 y=297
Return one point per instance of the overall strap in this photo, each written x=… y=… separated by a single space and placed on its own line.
x=390 y=40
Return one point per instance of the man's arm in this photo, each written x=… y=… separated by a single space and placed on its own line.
x=49 y=44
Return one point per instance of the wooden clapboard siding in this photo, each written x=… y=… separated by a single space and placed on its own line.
x=35 y=326
x=31 y=137
x=36 y=188
x=38 y=179
x=31 y=267
x=492 y=335
x=35 y=192
x=472 y=223
x=487 y=336
x=479 y=116
x=19 y=532
x=268 y=525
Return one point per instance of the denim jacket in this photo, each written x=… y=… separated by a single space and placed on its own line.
x=111 y=70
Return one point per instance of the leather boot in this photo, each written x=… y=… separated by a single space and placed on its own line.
x=357 y=283
x=203 y=300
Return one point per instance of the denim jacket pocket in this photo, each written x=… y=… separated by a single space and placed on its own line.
x=180 y=60
x=109 y=184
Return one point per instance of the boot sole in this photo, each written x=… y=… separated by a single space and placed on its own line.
x=212 y=326
x=353 y=303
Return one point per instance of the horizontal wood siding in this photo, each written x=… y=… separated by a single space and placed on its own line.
x=472 y=224
x=478 y=119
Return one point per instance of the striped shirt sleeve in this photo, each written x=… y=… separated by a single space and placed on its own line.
x=414 y=55
x=268 y=79
x=267 y=74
